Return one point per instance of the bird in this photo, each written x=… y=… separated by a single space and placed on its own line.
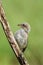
x=21 y=35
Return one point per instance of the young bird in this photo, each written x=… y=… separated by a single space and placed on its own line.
x=21 y=35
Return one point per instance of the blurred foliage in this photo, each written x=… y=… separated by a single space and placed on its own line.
x=18 y=11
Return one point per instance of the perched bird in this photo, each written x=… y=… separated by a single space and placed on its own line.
x=21 y=36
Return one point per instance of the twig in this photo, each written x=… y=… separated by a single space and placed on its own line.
x=10 y=37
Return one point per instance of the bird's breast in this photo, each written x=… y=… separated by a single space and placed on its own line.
x=21 y=38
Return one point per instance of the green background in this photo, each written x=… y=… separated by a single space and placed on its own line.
x=18 y=11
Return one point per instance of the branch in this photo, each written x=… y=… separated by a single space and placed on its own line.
x=10 y=37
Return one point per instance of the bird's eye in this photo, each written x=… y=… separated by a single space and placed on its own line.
x=23 y=25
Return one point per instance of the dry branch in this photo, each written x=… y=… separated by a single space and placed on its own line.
x=10 y=37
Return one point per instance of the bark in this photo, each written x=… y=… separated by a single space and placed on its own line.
x=10 y=37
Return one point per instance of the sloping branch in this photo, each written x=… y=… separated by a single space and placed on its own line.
x=10 y=37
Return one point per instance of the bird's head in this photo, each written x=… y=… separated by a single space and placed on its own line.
x=25 y=26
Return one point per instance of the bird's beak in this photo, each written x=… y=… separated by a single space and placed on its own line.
x=20 y=25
